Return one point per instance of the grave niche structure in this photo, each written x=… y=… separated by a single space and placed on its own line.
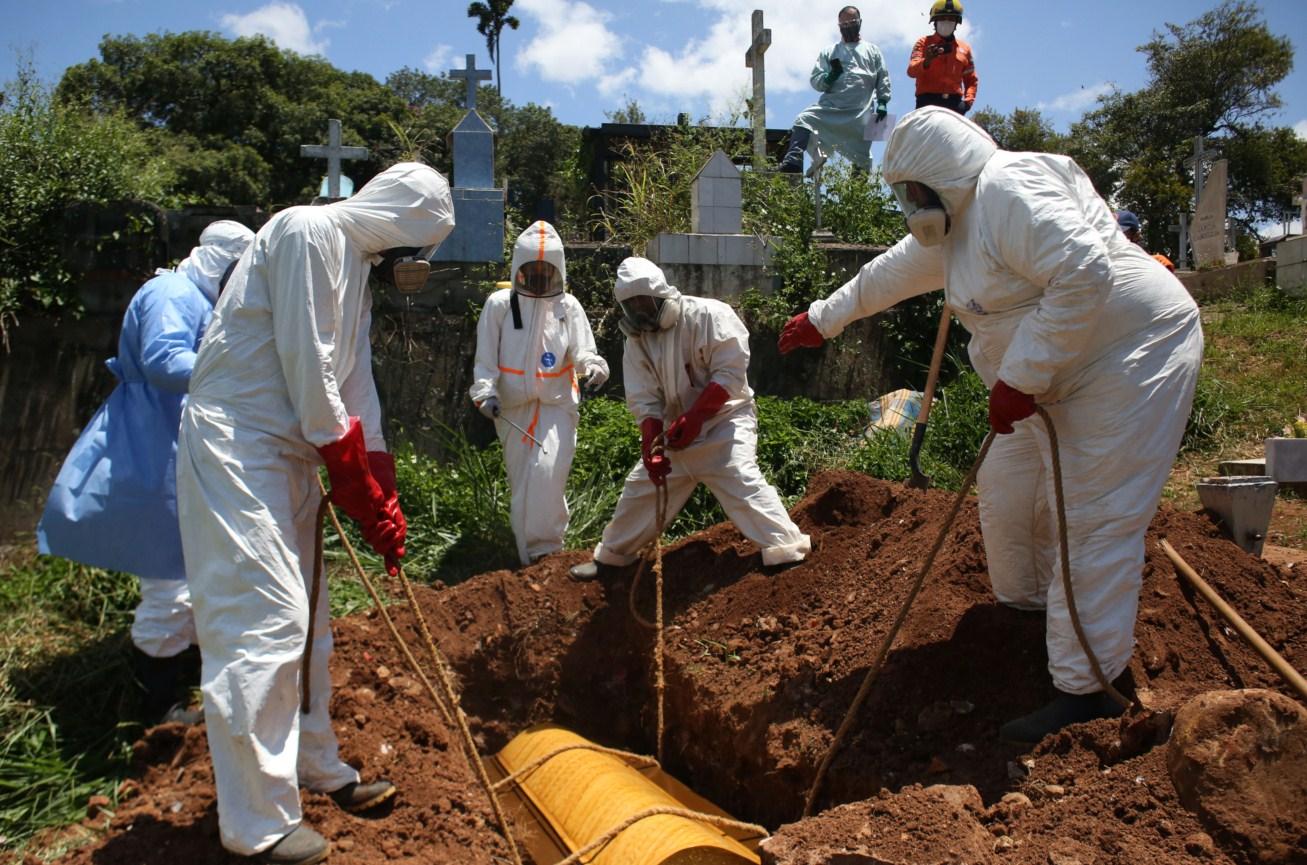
x=478 y=233
x=716 y=258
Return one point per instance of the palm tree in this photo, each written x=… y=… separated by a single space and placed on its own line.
x=492 y=18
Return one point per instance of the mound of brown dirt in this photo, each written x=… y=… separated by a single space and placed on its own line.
x=760 y=670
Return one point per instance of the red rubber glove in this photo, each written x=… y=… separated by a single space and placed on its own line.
x=656 y=462
x=1007 y=405
x=382 y=466
x=800 y=333
x=686 y=428
x=356 y=492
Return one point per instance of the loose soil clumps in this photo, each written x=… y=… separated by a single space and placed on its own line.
x=761 y=666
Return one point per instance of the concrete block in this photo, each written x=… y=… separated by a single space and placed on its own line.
x=1292 y=278
x=718 y=165
x=709 y=221
x=702 y=249
x=669 y=249
x=1238 y=468
x=732 y=219
x=1291 y=251
x=729 y=194
x=742 y=250
x=1286 y=460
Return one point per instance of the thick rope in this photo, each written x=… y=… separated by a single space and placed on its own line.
x=1066 y=568
x=660 y=682
x=885 y=644
x=660 y=811
x=916 y=587
x=314 y=594
x=449 y=695
x=635 y=759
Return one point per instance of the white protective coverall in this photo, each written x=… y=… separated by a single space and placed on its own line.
x=664 y=372
x=1063 y=307
x=285 y=364
x=533 y=371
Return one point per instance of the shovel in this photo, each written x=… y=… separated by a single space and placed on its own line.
x=918 y=479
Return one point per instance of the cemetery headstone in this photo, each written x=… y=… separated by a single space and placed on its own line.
x=333 y=152
x=478 y=233
x=1209 y=234
x=753 y=59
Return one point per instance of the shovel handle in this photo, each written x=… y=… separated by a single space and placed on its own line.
x=928 y=398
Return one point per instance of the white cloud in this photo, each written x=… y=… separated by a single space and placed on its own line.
x=572 y=44
x=1301 y=128
x=283 y=23
x=1078 y=100
x=437 y=59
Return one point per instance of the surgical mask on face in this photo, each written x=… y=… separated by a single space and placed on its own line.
x=945 y=28
x=927 y=219
x=849 y=32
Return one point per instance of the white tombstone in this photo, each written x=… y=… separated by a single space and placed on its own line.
x=716 y=202
x=1208 y=231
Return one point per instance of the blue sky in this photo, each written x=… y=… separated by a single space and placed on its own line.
x=582 y=57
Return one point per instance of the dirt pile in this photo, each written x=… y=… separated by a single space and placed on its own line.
x=760 y=670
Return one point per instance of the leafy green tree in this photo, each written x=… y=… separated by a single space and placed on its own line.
x=492 y=18
x=1214 y=78
x=237 y=110
x=1024 y=129
x=630 y=112
x=52 y=155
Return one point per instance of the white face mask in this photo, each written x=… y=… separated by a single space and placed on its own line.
x=945 y=28
x=929 y=225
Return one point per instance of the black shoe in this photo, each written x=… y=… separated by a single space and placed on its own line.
x=793 y=161
x=300 y=846
x=159 y=678
x=356 y=797
x=587 y=572
x=1065 y=709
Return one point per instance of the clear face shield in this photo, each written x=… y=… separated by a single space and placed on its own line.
x=538 y=279
x=923 y=210
x=643 y=312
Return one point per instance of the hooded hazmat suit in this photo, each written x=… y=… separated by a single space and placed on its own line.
x=114 y=503
x=530 y=353
x=840 y=115
x=665 y=371
x=284 y=367
x=1061 y=306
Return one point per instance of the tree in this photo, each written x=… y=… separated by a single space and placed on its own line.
x=1024 y=129
x=492 y=18
x=1214 y=78
x=631 y=112
x=234 y=112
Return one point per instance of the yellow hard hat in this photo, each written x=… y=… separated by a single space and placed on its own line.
x=946 y=9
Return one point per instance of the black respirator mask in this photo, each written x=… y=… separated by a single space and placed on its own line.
x=850 y=32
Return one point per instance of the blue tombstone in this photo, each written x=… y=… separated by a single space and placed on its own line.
x=478 y=233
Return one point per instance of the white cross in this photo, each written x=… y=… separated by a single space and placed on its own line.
x=1196 y=163
x=753 y=59
x=471 y=75
x=1301 y=201
x=333 y=153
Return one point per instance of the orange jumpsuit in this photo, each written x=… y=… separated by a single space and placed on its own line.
x=951 y=76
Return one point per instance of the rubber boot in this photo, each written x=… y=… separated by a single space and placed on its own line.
x=300 y=846
x=793 y=161
x=355 y=797
x=1065 y=709
x=159 y=679
x=590 y=571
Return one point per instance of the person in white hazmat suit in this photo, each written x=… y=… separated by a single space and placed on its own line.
x=534 y=343
x=114 y=503
x=686 y=365
x=1066 y=313
x=283 y=383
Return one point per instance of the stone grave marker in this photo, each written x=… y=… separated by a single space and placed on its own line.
x=333 y=152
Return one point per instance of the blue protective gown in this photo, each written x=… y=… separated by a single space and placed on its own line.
x=839 y=117
x=114 y=503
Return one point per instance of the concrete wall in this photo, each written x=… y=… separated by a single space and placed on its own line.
x=53 y=377
x=1211 y=285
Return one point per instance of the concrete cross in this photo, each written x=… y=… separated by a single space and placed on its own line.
x=1196 y=163
x=471 y=75
x=753 y=59
x=1182 y=243
x=1301 y=200
x=333 y=153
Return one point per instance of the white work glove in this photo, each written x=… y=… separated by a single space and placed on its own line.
x=489 y=407
x=595 y=377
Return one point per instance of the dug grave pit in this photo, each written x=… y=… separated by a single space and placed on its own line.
x=760 y=670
